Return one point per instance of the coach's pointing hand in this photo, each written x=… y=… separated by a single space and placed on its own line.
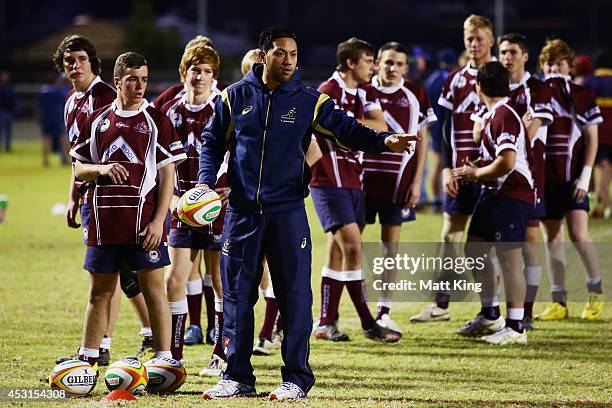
x=400 y=142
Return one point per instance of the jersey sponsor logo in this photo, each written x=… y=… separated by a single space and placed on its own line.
x=506 y=137
x=190 y=120
x=247 y=110
x=153 y=256
x=225 y=248
x=105 y=125
x=120 y=144
x=142 y=127
x=177 y=119
x=289 y=117
x=122 y=125
x=461 y=82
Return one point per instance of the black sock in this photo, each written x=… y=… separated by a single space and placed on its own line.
x=442 y=300
x=490 y=312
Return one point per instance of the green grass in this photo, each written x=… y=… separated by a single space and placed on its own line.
x=44 y=290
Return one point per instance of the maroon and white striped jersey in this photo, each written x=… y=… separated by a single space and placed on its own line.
x=143 y=141
x=503 y=129
x=339 y=168
x=460 y=97
x=574 y=109
x=177 y=91
x=189 y=121
x=388 y=176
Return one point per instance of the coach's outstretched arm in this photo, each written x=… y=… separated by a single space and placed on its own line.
x=351 y=135
x=216 y=135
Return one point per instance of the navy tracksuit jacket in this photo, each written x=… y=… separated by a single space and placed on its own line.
x=268 y=133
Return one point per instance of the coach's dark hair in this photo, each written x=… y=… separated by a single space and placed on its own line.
x=128 y=60
x=76 y=42
x=395 y=46
x=351 y=49
x=493 y=79
x=514 y=38
x=269 y=34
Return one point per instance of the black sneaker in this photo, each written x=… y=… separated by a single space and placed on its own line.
x=383 y=334
x=528 y=323
x=330 y=332
x=75 y=356
x=104 y=358
x=147 y=349
x=210 y=336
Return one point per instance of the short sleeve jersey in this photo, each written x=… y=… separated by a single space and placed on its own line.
x=406 y=108
x=189 y=121
x=459 y=96
x=574 y=109
x=143 y=141
x=503 y=129
x=339 y=168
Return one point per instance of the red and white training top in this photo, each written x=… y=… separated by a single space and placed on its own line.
x=78 y=107
x=460 y=97
x=339 y=168
x=143 y=141
x=388 y=176
x=574 y=109
x=503 y=129
x=189 y=121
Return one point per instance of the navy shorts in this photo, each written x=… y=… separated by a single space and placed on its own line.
x=436 y=141
x=604 y=153
x=537 y=213
x=465 y=201
x=337 y=207
x=500 y=219
x=85 y=210
x=558 y=200
x=388 y=213
x=188 y=238
x=110 y=258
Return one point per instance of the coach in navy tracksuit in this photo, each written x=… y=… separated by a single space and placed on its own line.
x=266 y=121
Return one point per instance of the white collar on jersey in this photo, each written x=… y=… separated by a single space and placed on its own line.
x=523 y=81
x=196 y=108
x=336 y=76
x=91 y=85
x=474 y=71
x=386 y=89
x=130 y=113
x=566 y=77
x=499 y=103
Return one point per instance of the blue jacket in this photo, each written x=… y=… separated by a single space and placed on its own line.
x=268 y=133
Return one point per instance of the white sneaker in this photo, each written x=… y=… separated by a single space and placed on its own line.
x=388 y=323
x=431 y=313
x=481 y=326
x=287 y=391
x=263 y=347
x=507 y=335
x=215 y=368
x=229 y=389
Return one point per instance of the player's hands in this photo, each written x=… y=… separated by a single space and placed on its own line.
x=400 y=142
x=450 y=184
x=117 y=173
x=467 y=172
x=223 y=194
x=71 y=211
x=152 y=234
x=578 y=194
x=413 y=196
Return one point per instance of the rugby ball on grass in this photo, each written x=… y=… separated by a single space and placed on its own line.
x=199 y=207
x=165 y=375
x=76 y=377
x=127 y=374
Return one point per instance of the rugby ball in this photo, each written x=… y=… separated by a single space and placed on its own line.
x=76 y=377
x=199 y=207
x=165 y=375
x=127 y=374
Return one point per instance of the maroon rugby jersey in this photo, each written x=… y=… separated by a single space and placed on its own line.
x=78 y=107
x=339 y=168
x=189 y=122
x=143 y=141
x=460 y=97
x=388 y=176
x=503 y=129
x=178 y=90
x=574 y=109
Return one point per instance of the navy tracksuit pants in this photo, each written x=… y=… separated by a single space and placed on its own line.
x=284 y=238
